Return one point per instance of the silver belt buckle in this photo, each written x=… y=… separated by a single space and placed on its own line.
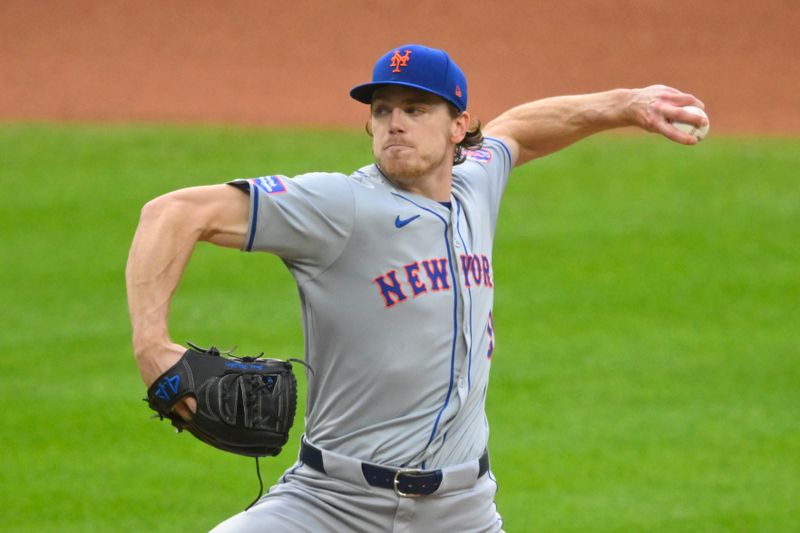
x=397 y=481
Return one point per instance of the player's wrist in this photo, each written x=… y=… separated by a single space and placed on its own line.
x=623 y=107
x=146 y=336
x=149 y=346
x=154 y=359
x=606 y=110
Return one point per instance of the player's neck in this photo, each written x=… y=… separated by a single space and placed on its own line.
x=436 y=188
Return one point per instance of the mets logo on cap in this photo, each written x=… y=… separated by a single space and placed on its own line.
x=399 y=60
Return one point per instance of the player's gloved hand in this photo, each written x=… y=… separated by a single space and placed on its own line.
x=656 y=107
x=153 y=361
x=245 y=405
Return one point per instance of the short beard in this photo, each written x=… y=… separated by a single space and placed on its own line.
x=404 y=173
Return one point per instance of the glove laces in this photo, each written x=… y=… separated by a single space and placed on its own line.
x=260 y=486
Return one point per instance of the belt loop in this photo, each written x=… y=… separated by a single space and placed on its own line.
x=312 y=456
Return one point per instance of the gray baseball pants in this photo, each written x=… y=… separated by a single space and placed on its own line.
x=340 y=500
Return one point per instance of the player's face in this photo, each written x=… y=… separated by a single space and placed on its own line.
x=413 y=134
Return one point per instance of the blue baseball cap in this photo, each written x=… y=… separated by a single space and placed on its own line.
x=420 y=67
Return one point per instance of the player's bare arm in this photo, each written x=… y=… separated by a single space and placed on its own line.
x=545 y=126
x=169 y=228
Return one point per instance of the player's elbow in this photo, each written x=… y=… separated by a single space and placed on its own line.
x=154 y=209
x=168 y=212
x=158 y=209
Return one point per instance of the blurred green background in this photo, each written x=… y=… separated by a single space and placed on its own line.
x=647 y=369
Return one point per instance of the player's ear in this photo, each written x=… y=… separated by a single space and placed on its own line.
x=459 y=127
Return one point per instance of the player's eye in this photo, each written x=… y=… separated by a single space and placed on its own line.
x=380 y=110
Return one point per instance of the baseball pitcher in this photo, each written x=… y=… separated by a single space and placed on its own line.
x=393 y=264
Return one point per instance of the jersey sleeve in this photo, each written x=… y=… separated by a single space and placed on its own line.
x=500 y=166
x=305 y=220
x=485 y=172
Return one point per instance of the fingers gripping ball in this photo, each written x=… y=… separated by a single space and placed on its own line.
x=698 y=132
x=245 y=405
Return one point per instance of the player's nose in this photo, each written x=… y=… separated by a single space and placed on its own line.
x=396 y=121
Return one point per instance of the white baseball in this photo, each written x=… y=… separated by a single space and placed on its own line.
x=700 y=133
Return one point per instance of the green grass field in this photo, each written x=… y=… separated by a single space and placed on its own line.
x=646 y=376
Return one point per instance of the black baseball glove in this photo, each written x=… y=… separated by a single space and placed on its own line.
x=245 y=405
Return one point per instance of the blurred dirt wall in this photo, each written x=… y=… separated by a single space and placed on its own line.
x=278 y=63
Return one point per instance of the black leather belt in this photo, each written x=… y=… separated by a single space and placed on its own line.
x=404 y=481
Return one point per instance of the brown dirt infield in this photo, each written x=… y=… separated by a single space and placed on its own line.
x=277 y=63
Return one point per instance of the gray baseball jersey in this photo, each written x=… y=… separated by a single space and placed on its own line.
x=396 y=293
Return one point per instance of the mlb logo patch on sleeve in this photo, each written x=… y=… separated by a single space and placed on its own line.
x=270 y=184
x=481 y=155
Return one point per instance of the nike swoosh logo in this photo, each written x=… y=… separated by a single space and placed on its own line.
x=399 y=223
